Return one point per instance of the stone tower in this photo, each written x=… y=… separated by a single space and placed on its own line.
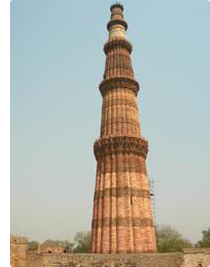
x=122 y=214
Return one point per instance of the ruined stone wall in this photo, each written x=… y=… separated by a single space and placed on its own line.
x=18 y=247
x=99 y=260
x=196 y=257
x=190 y=258
x=34 y=259
x=20 y=257
x=207 y=259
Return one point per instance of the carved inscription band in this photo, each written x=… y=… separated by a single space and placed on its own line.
x=122 y=144
x=122 y=192
x=121 y=119
x=119 y=222
x=119 y=101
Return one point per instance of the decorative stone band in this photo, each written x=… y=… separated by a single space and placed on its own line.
x=122 y=192
x=116 y=102
x=118 y=82
x=117 y=22
x=122 y=222
x=117 y=42
x=122 y=119
x=120 y=144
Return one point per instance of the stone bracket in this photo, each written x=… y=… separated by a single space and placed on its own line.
x=117 y=42
x=120 y=144
x=119 y=82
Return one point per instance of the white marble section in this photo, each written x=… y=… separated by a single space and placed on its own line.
x=117 y=31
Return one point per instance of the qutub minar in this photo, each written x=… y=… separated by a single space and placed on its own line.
x=122 y=214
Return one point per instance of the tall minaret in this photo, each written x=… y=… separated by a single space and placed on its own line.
x=122 y=214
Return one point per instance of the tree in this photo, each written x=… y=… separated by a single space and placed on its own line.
x=71 y=247
x=82 y=242
x=170 y=240
x=205 y=241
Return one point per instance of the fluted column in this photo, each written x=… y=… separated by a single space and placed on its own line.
x=122 y=214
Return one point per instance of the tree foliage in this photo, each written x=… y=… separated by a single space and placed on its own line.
x=170 y=240
x=82 y=242
x=205 y=241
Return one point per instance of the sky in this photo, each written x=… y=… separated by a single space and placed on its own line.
x=57 y=63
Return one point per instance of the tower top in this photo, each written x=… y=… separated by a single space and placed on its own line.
x=117 y=26
x=116 y=5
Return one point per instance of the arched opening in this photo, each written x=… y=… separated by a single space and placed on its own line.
x=49 y=251
x=200 y=265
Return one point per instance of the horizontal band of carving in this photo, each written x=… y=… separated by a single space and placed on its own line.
x=116 y=102
x=120 y=222
x=120 y=144
x=122 y=192
x=121 y=119
x=119 y=55
x=119 y=82
x=117 y=42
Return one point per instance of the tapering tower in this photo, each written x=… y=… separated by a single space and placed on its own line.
x=122 y=214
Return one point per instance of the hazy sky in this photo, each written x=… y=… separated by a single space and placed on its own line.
x=57 y=62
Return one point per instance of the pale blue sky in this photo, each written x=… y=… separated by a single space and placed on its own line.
x=57 y=62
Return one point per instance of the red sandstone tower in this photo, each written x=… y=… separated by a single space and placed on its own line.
x=122 y=214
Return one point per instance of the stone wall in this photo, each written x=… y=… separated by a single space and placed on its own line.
x=34 y=259
x=207 y=260
x=196 y=257
x=191 y=258
x=20 y=257
x=102 y=260
x=18 y=247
